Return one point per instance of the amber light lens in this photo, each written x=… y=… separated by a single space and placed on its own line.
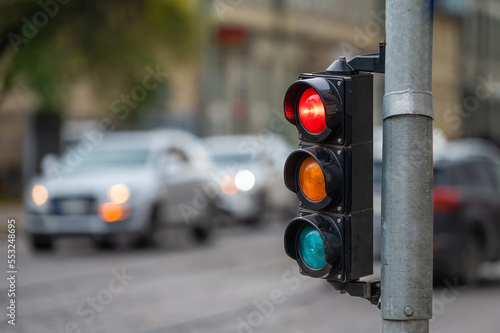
x=312 y=180
x=112 y=212
x=312 y=111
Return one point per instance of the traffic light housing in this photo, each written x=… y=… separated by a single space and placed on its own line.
x=332 y=173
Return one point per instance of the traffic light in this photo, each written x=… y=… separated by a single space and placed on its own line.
x=332 y=173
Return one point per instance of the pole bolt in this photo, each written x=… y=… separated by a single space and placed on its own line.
x=339 y=220
x=339 y=140
x=339 y=83
x=300 y=203
x=339 y=276
x=300 y=136
x=339 y=208
x=409 y=311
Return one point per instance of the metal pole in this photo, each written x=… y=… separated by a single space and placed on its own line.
x=407 y=168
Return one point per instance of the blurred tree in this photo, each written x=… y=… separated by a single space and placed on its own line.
x=52 y=44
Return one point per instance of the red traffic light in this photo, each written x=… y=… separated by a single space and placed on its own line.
x=314 y=106
x=331 y=175
x=312 y=111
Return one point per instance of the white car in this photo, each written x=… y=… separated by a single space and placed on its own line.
x=128 y=182
x=250 y=175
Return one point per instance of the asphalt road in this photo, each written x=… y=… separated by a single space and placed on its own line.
x=241 y=282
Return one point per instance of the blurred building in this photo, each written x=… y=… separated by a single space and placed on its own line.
x=480 y=64
x=253 y=50
x=256 y=49
x=466 y=68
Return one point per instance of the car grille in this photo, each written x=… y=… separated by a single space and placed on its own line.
x=73 y=206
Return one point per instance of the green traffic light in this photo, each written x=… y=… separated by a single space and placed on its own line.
x=311 y=248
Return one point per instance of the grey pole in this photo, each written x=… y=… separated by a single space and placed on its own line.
x=406 y=302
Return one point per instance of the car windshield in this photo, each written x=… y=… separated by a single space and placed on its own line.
x=222 y=159
x=106 y=158
x=440 y=177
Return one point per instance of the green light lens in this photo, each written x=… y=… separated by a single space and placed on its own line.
x=311 y=248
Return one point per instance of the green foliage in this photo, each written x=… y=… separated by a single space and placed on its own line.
x=108 y=43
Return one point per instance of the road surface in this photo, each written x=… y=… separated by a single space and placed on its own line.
x=241 y=282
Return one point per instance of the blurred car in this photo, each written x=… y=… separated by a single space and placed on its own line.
x=130 y=182
x=439 y=141
x=466 y=207
x=250 y=175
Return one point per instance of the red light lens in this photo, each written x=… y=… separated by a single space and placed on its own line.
x=290 y=113
x=312 y=111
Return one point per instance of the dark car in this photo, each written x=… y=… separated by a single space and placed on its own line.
x=466 y=208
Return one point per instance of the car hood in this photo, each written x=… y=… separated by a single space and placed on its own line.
x=95 y=181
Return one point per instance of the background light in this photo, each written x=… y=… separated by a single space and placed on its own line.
x=227 y=185
x=40 y=194
x=119 y=193
x=244 y=180
x=112 y=212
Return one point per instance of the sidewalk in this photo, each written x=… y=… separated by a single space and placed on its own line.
x=9 y=210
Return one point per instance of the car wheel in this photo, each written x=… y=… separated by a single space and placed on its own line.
x=104 y=242
x=42 y=242
x=146 y=238
x=253 y=221
x=256 y=219
x=203 y=231
x=201 y=234
x=470 y=259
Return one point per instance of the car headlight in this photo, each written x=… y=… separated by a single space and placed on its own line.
x=228 y=186
x=119 y=193
x=39 y=194
x=244 y=180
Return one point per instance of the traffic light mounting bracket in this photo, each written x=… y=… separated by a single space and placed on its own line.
x=373 y=63
x=369 y=290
